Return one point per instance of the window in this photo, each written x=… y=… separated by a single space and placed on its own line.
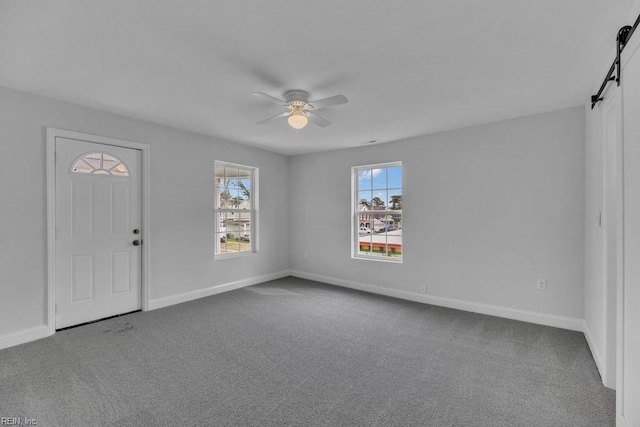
x=99 y=164
x=235 y=209
x=377 y=212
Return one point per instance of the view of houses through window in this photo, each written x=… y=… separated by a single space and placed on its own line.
x=378 y=211
x=234 y=206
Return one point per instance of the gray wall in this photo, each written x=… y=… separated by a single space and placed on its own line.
x=181 y=204
x=487 y=211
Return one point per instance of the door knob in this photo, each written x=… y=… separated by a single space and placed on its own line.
x=136 y=231
x=137 y=242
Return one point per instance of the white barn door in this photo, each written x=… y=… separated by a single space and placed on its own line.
x=98 y=235
x=628 y=385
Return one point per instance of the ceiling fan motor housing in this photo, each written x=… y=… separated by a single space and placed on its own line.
x=296 y=96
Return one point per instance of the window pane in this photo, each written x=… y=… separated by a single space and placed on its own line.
x=365 y=234
x=245 y=192
x=233 y=202
x=222 y=197
x=231 y=176
x=109 y=162
x=379 y=199
x=94 y=160
x=245 y=183
x=81 y=167
x=395 y=199
x=379 y=178
x=120 y=170
x=245 y=234
x=392 y=234
x=394 y=175
x=233 y=233
x=223 y=222
x=364 y=200
x=364 y=179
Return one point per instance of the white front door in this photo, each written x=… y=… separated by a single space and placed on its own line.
x=98 y=233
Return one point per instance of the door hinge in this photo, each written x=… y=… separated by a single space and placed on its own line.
x=600 y=219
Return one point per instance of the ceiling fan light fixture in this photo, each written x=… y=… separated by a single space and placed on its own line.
x=297 y=121
x=299 y=110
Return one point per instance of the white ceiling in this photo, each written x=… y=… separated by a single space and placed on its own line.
x=407 y=67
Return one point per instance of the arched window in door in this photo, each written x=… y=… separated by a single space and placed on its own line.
x=100 y=164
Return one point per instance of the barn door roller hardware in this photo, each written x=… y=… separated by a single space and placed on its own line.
x=623 y=37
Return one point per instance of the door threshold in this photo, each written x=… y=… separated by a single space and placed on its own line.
x=97 y=320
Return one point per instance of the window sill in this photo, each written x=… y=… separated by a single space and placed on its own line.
x=380 y=259
x=236 y=255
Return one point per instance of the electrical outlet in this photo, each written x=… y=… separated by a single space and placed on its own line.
x=423 y=289
x=541 y=285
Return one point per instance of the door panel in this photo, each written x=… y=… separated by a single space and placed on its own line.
x=82 y=278
x=82 y=209
x=98 y=206
x=120 y=272
x=120 y=210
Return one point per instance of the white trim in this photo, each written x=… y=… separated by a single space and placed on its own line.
x=232 y=255
x=213 y=290
x=595 y=351
x=378 y=259
x=52 y=134
x=563 y=322
x=51 y=231
x=21 y=337
x=621 y=421
x=379 y=165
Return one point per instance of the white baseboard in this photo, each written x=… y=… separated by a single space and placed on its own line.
x=201 y=293
x=595 y=351
x=21 y=337
x=570 y=323
x=622 y=421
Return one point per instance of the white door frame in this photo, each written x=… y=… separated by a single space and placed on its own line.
x=52 y=134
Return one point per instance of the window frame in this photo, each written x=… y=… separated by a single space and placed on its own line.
x=355 y=213
x=253 y=212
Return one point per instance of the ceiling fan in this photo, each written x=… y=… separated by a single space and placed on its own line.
x=299 y=110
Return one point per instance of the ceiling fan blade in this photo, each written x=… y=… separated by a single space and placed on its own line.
x=318 y=120
x=277 y=116
x=329 y=102
x=269 y=98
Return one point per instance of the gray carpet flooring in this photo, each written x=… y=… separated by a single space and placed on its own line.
x=296 y=352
